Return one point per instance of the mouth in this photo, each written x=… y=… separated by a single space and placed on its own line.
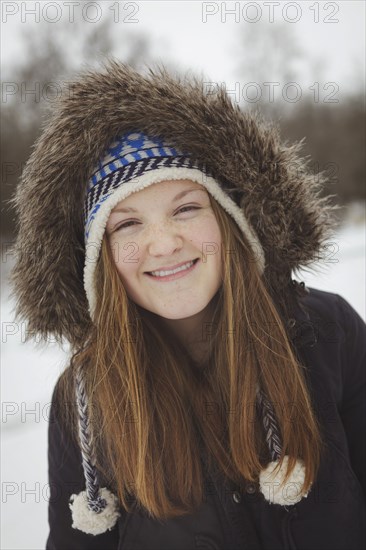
x=169 y=275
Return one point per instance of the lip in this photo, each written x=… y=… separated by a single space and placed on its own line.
x=171 y=267
x=175 y=276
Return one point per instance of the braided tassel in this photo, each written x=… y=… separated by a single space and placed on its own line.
x=94 y=510
x=271 y=481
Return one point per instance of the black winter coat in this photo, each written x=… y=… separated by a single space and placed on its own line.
x=331 y=343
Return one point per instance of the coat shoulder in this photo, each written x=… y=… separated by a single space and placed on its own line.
x=340 y=338
x=332 y=308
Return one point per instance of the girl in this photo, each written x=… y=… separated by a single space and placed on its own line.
x=211 y=400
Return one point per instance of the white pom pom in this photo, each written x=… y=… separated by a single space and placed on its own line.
x=90 y=522
x=271 y=483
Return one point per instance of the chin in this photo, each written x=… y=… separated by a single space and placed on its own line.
x=180 y=315
x=177 y=316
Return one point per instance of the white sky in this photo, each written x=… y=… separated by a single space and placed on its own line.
x=178 y=33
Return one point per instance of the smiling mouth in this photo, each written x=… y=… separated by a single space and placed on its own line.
x=173 y=271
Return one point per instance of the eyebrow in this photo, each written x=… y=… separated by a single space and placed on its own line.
x=176 y=198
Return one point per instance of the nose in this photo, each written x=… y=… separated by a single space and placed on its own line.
x=164 y=240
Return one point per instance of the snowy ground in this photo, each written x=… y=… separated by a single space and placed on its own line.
x=28 y=376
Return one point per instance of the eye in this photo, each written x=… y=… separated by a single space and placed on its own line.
x=189 y=207
x=124 y=225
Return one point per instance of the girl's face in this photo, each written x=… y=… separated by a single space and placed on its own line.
x=162 y=228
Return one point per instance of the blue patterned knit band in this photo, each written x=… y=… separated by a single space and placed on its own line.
x=128 y=157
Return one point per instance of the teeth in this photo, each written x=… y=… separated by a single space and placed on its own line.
x=171 y=272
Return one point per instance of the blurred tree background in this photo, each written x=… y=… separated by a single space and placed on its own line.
x=331 y=120
x=334 y=131
x=34 y=86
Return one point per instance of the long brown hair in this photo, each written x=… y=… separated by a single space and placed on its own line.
x=156 y=412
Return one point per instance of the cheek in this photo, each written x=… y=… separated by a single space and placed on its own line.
x=125 y=255
x=207 y=238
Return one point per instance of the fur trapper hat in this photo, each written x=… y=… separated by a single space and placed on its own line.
x=269 y=182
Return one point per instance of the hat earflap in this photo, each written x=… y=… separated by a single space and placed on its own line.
x=94 y=510
x=271 y=478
